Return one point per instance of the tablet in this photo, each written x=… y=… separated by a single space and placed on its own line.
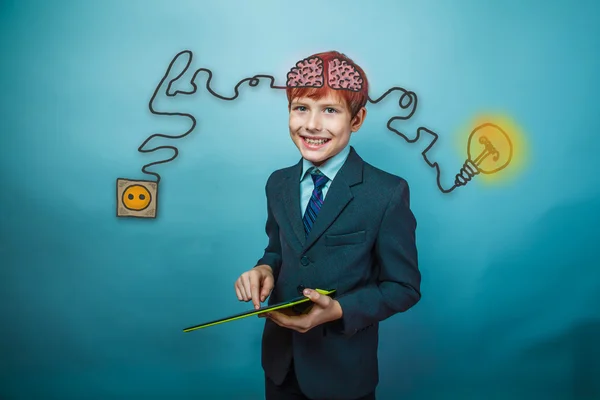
x=278 y=306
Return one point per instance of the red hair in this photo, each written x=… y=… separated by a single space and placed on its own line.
x=355 y=100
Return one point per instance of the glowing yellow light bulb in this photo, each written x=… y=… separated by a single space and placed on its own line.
x=489 y=150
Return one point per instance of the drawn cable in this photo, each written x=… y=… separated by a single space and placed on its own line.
x=253 y=82
x=413 y=99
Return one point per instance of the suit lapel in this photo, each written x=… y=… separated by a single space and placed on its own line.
x=338 y=197
x=290 y=195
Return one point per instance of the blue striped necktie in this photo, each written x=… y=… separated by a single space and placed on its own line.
x=316 y=200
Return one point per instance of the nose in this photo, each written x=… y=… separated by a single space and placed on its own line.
x=314 y=122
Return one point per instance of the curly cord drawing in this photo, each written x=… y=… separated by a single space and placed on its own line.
x=254 y=81
x=489 y=136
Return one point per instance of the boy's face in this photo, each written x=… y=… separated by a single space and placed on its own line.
x=321 y=128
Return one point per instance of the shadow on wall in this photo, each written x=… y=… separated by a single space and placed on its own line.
x=539 y=324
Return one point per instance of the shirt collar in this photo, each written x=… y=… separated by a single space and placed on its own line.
x=331 y=167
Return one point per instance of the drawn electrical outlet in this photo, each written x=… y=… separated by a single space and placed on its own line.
x=136 y=198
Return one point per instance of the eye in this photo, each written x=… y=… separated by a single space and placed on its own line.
x=130 y=196
x=330 y=110
x=142 y=197
x=300 y=108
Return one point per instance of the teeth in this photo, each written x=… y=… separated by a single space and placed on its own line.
x=315 y=141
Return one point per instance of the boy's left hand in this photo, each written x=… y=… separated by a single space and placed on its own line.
x=324 y=309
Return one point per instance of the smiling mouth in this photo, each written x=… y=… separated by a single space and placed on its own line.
x=314 y=142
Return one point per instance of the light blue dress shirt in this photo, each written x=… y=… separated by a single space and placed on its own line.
x=330 y=169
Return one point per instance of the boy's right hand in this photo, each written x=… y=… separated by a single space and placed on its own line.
x=255 y=285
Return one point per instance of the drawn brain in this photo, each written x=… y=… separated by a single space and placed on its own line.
x=344 y=76
x=308 y=72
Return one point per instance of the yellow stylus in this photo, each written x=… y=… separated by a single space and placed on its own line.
x=291 y=303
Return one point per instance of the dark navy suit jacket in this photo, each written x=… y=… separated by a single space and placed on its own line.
x=363 y=245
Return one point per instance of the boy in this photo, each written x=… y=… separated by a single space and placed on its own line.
x=334 y=222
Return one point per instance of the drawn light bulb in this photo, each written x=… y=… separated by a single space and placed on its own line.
x=489 y=150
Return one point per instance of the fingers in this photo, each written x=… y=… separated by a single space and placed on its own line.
x=267 y=286
x=255 y=285
x=280 y=319
x=246 y=286
x=240 y=287
x=317 y=298
x=238 y=292
x=254 y=280
x=300 y=323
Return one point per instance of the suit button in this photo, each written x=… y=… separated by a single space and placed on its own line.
x=304 y=261
x=301 y=289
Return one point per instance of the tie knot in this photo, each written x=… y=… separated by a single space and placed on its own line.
x=318 y=178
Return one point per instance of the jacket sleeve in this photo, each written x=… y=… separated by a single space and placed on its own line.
x=397 y=287
x=272 y=253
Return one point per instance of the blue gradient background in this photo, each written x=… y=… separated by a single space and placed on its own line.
x=92 y=306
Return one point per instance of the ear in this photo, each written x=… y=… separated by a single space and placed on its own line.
x=358 y=119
